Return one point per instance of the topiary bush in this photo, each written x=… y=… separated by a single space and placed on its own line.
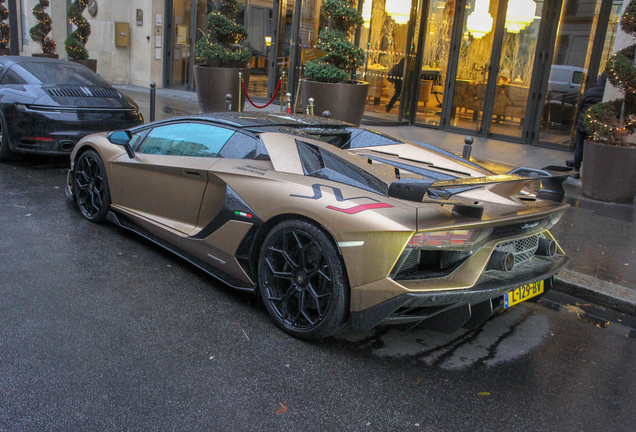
x=342 y=56
x=40 y=31
x=611 y=122
x=220 y=46
x=75 y=43
x=4 y=27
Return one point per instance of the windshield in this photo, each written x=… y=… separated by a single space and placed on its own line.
x=49 y=73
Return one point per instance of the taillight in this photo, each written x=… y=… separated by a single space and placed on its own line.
x=458 y=239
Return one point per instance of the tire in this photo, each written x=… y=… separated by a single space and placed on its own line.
x=90 y=186
x=5 y=152
x=302 y=281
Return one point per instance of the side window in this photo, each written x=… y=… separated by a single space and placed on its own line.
x=240 y=146
x=11 y=77
x=186 y=139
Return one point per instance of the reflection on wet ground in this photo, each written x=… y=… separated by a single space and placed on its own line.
x=506 y=337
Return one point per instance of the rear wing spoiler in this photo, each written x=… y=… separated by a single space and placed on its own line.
x=550 y=180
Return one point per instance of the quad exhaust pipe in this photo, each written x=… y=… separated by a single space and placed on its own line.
x=501 y=261
x=546 y=247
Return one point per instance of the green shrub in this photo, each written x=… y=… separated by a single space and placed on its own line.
x=75 y=43
x=4 y=27
x=342 y=57
x=39 y=32
x=220 y=46
x=611 y=122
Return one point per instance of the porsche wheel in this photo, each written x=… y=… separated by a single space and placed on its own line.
x=91 y=187
x=5 y=152
x=302 y=281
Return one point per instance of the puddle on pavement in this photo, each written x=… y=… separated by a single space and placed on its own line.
x=504 y=338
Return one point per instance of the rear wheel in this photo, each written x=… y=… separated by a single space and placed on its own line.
x=5 y=152
x=302 y=281
x=91 y=186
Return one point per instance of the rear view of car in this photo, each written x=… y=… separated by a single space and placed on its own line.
x=47 y=105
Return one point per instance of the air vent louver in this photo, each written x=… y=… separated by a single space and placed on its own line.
x=84 y=92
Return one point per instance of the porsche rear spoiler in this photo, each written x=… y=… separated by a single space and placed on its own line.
x=550 y=188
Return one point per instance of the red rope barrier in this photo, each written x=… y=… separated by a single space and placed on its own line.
x=270 y=101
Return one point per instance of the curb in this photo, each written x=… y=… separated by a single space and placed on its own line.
x=603 y=293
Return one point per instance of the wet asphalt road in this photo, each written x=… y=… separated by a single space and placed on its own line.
x=101 y=330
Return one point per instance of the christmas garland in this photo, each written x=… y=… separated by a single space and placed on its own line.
x=4 y=27
x=76 y=41
x=611 y=122
x=40 y=31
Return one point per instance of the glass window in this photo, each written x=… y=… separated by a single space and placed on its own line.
x=11 y=77
x=186 y=139
x=53 y=73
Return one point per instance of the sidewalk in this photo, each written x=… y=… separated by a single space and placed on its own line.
x=599 y=238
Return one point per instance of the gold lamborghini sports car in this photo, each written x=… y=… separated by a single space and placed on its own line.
x=332 y=225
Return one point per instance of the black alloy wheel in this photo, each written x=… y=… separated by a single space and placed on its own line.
x=91 y=187
x=302 y=282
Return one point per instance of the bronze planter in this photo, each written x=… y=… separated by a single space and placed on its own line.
x=609 y=173
x=89 y=63
x=47 y=55
x=5 y=51
x=213 y=84
x=345 y=102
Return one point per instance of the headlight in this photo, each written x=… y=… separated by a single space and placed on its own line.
x=456 y=240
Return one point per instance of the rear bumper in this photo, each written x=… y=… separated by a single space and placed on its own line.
x=57 y=132
x=452 y=309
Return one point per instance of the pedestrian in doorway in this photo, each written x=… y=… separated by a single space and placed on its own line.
x=394 y=76
x=591 y=96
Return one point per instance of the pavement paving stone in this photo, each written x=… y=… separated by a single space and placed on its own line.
x=605 y=274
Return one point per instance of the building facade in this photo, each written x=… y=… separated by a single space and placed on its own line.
x=507 y=69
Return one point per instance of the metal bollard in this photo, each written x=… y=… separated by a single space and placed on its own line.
x=240 y=107
x=310 y=106
x=467 y=147
x=153 y=93
x=228 y=102
x=288 y=103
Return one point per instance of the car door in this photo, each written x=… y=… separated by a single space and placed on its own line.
x=166 y=180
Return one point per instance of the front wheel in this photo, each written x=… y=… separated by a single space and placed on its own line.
x=91 y=186
x=302 y=281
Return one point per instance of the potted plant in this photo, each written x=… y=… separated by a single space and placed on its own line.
x=220 y=58
x=75 y=43
x=610 y=157
x=4 y=30
x=328 y=78
x=39 y=32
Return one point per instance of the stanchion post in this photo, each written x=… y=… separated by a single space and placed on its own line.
x=228 y=102
x=282 y=92
x=468 y=147
x=240 y=105
x=153 y=95
x=310 y=107
x=288 y=104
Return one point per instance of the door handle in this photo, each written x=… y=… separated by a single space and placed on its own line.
x=192 y=173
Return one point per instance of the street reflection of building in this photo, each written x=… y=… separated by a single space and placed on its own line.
x=509 y=69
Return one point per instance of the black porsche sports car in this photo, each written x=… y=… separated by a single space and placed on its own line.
x=47 y=105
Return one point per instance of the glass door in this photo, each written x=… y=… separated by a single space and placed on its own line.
x=475 y=57
x=181 y=51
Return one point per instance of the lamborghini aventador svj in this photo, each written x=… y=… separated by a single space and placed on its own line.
x=334 y=226
x=47 y=105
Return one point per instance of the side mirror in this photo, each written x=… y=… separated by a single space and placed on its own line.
x=122 y=138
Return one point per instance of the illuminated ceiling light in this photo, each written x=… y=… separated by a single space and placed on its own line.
x=520 y=14
x=479 y=22
x=400 y=10
x=366 y=13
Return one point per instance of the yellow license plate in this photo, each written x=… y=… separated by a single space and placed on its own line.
x=522 y=293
